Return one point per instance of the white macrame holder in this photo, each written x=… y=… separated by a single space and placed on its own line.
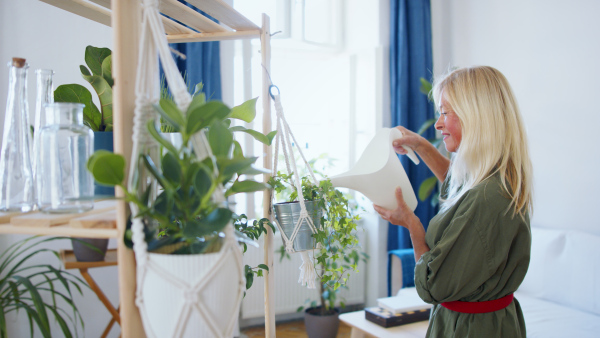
x=284 y=137
x=177 y=295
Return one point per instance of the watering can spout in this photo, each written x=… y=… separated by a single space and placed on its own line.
x=379 y=172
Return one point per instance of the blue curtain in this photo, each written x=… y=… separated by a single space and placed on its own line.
x=202 y=63
x=410 y=59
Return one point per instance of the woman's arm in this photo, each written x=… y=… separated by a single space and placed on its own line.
x=403 y=216
x=437 y=162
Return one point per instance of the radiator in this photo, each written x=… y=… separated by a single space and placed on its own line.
x=289 y=295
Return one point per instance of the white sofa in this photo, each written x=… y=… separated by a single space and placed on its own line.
x=560 y=295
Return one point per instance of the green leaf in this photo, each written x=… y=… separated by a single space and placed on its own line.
x=107 y=70
x=94 y=57
x=172 y=114
x=237 y=150
x=79 y=94
x=249 y=280
x=220 y=139
x=198 y=100
x=156 y=135
x=106 y=167
x=426 y=125
x=425 y=87
x=266 y=139
x=202 y=116
x=230 y=166
x=427 y=187
x=202 y=182
x=171 y=169
x=156 y=172
x=263 y=266
x=36 y=299
x=104 y=91
x=245 y=111
x=246 y=186
x=214 y=222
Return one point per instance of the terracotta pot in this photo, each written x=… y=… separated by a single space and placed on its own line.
x=318 y=326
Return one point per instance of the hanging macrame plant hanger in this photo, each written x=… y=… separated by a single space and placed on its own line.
x=285 y=139
x=190 y=305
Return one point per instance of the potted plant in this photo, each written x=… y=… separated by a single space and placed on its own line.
x=99 y=75
x=40 y=291
x=184 y=224
x=335 y=248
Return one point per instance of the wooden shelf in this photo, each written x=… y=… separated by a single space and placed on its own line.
x=70 y=262
x=99 y=222
x=190 y=26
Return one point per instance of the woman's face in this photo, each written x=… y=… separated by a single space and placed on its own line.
x=449 y=124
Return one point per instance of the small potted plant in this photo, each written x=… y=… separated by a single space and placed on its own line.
x=184 y=224
x=335 y=247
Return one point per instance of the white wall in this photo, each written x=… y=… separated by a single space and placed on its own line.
x=549 y=52
x=52 y=38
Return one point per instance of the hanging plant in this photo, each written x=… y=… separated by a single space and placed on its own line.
x=336 y=252
x=184 y=219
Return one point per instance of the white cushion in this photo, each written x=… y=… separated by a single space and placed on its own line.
x=545 y=319
x=564 y=268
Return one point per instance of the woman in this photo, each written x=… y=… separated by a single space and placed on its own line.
x=476 y=250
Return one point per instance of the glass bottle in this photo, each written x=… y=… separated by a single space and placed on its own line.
x=16 y=177
x=64 y=185
x=44 y=94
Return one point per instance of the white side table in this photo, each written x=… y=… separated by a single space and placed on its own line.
x=362 y=328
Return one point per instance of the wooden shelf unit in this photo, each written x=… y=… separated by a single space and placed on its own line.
x=182 y=24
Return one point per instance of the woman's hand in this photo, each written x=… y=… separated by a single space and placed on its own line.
x=402 y=215
x=409 y=138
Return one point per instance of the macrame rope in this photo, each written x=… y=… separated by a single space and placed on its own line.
x=284 y=137
x=153 y=39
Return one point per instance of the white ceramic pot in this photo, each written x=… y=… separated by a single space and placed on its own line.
x=192 y=295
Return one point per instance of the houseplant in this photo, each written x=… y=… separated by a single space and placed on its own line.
x=184 y=223
x=38 y=290
x=99 y=76
x=335 y=250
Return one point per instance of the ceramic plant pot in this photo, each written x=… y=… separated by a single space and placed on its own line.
x=84 y=253
x=287 y=215
x=318 y=326
x=192 y=295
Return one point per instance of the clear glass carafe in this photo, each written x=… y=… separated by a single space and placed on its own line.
x=44 y=95
x=16 y=177
x=64 y=185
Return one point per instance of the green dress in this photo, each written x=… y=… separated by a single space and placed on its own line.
x=479 y=252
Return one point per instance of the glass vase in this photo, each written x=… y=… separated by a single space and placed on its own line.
x=64 y=185
x=44 y=95
x=16 y=176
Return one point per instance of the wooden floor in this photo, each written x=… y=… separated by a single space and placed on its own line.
x=290 y=330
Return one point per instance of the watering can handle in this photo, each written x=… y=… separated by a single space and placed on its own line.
x=396 y=134
x=411 y=154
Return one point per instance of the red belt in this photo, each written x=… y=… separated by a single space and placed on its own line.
x=479 y=307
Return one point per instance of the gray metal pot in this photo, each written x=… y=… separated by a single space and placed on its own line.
x=287 y=215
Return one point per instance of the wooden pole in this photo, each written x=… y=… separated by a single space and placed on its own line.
x=265 y=41
x=126 y=18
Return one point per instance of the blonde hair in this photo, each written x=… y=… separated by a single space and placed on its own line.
x=493 y=135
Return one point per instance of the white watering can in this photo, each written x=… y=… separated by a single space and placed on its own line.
x=379 y=172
